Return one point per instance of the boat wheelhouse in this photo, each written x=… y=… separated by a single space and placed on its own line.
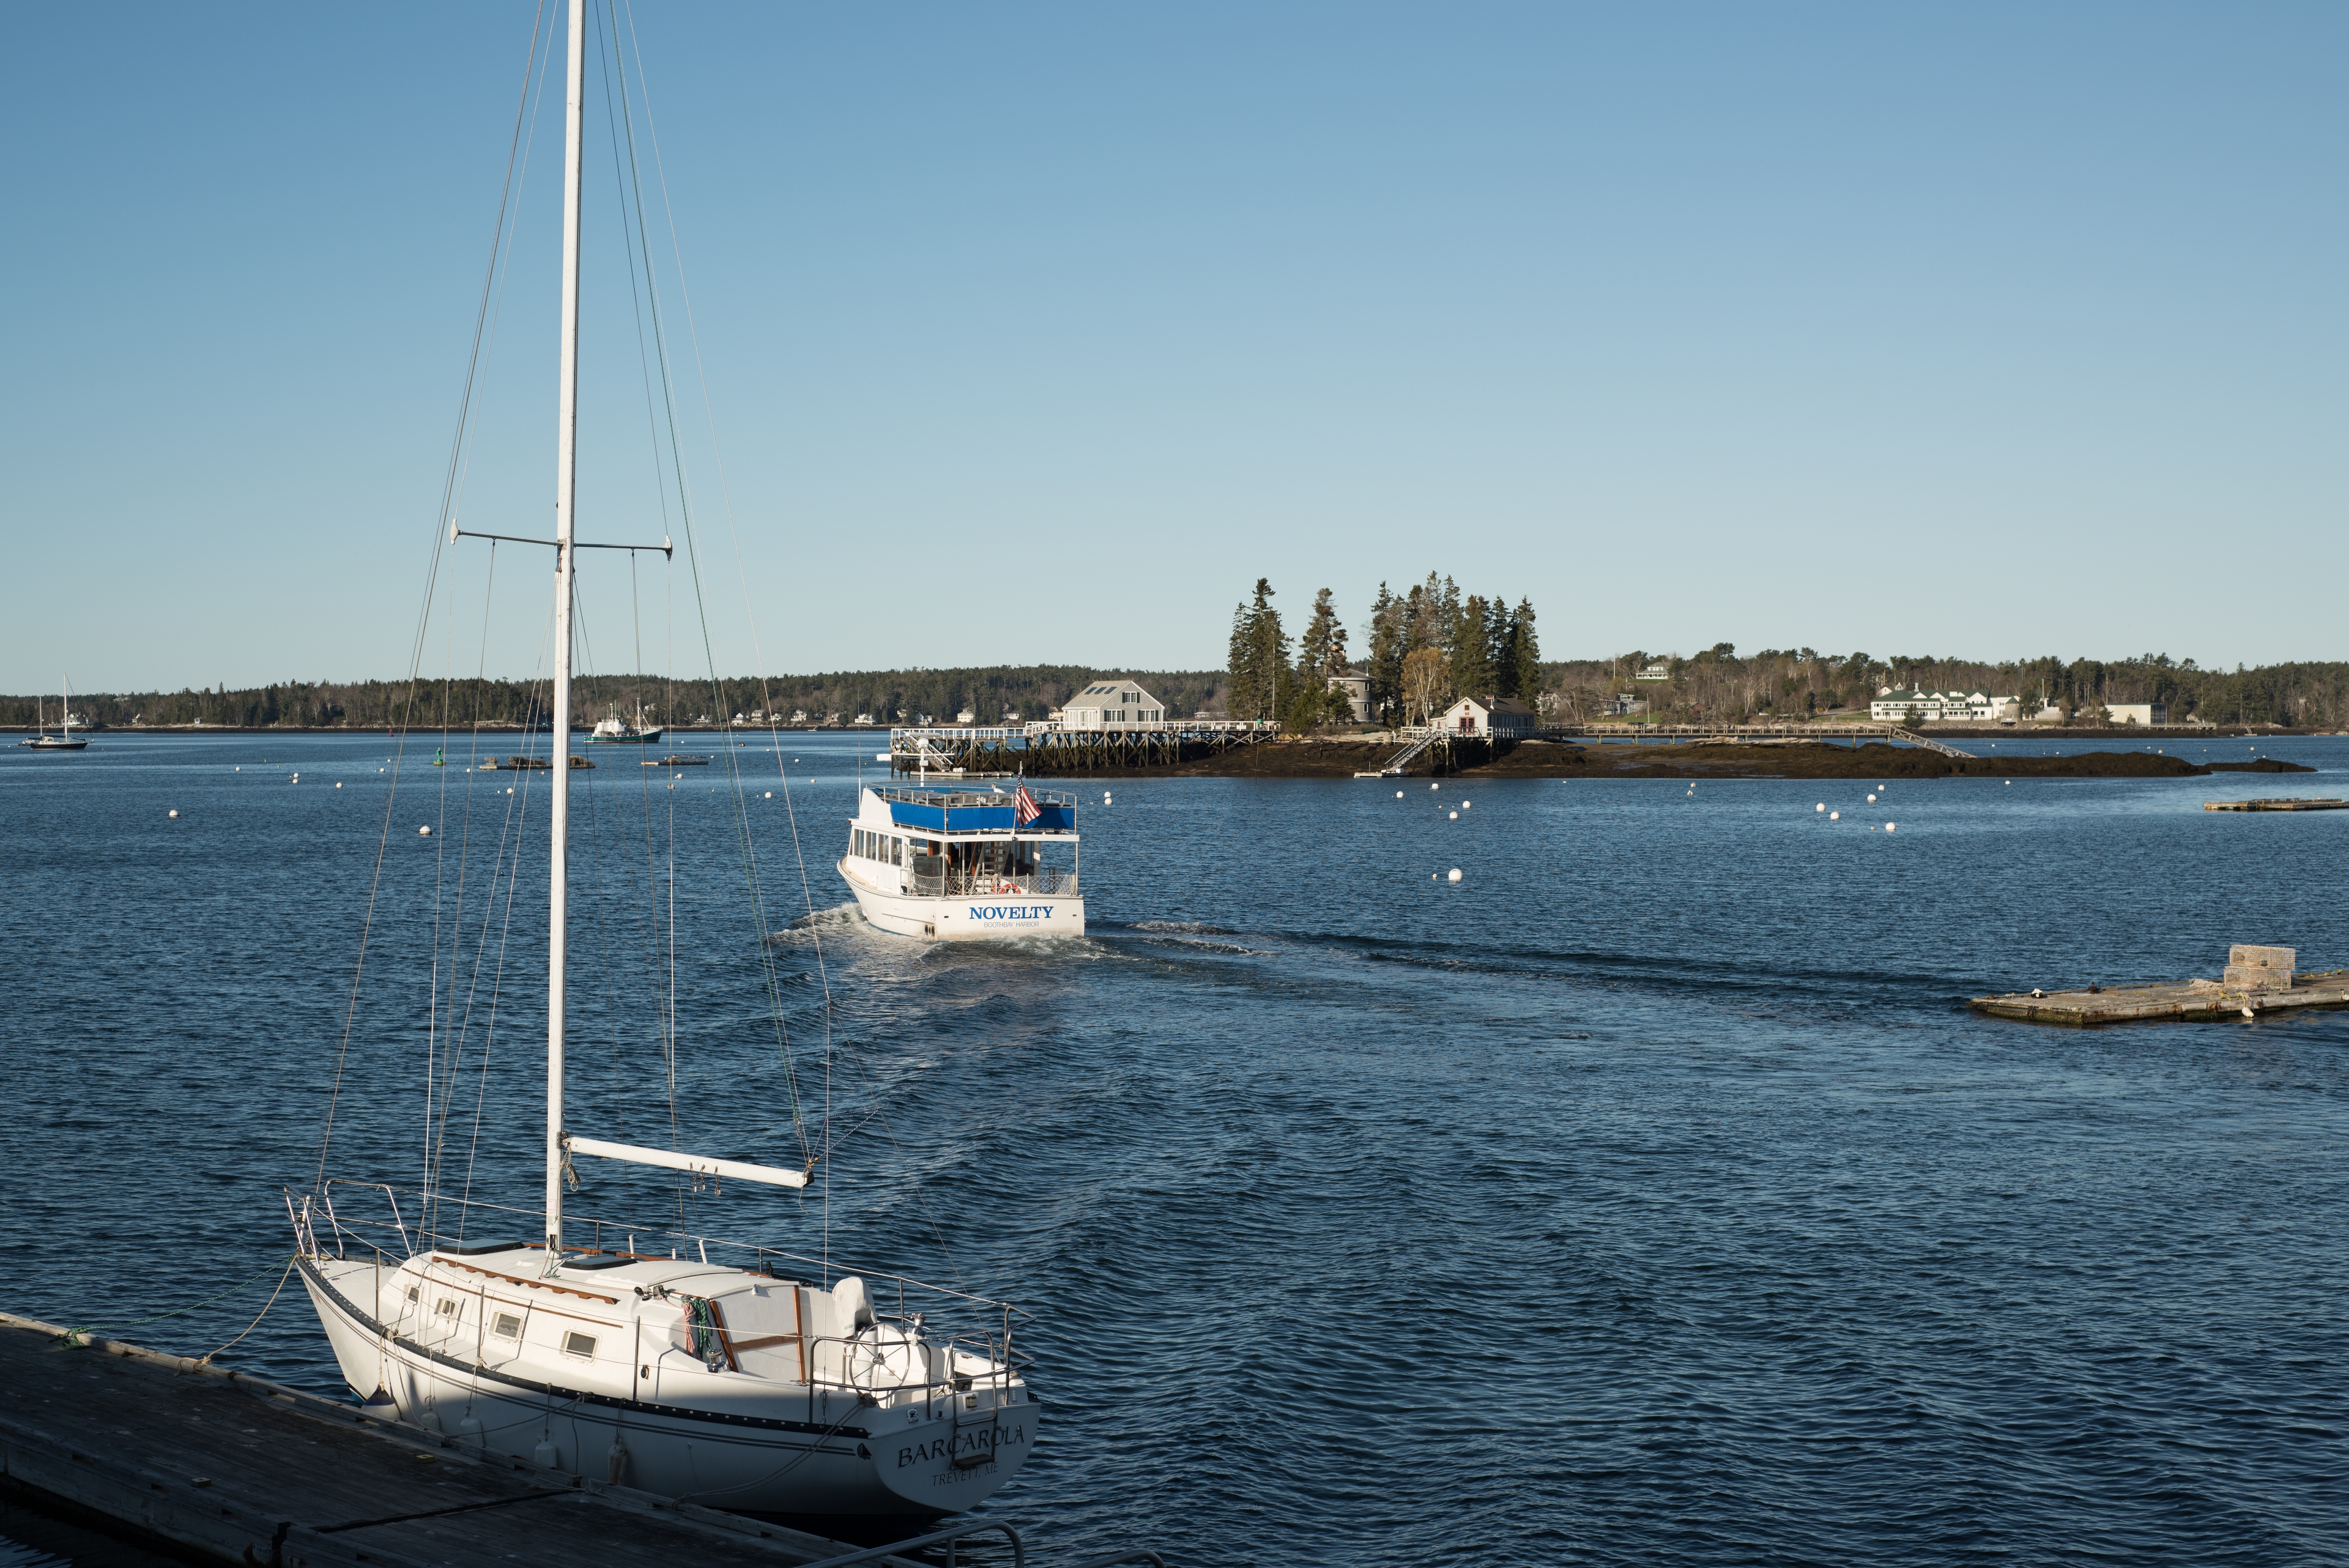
x=962 y=864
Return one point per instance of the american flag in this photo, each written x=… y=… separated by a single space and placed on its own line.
x=1024 y=809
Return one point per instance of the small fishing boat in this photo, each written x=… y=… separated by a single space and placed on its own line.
x=963 y=865
x=40 y=739
x=612 y=730
x=678 y=762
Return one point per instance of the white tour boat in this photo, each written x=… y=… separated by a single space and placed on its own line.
x=761 y=1382
x=963 y=865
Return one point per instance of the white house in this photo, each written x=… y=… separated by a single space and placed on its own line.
x=1356 y=689
x=1659 y=670
x=2139 y=713
x=1113 y=705
x=1893 y=704
x=1499 y=718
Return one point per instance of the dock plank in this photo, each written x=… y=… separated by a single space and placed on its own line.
x=242 y=1468
x=2181 y=1000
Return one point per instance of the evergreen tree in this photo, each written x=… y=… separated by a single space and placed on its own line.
x=1261 y=683
x=1387 y=647
x=1321 y=653
x=1471 y=653
x=1524 y=657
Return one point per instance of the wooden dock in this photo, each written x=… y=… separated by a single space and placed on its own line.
x=251 y=1471
x=2305 y=803
x=2193 y=998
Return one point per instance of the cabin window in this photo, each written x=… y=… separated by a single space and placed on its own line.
x=447 y=1307
x=412 y=1292
x=578 y=1343
x=508 y=1327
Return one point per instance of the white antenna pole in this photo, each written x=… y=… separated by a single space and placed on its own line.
x=566 y=453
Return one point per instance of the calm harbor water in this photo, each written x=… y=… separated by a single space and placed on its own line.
x=1645 y=1197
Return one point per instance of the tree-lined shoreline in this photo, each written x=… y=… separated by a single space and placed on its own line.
x=1716 y=686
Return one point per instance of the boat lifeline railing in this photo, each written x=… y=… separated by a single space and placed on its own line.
x=426 y=1233
x=959 y=799
x=1047 y=882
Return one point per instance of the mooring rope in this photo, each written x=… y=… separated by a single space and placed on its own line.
x=80 y=1333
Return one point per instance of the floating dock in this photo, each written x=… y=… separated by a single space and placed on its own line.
x=2258 y=979
x=247 y=1470
x=2305 y=803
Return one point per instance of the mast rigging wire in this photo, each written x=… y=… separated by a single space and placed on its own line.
x=500 y=245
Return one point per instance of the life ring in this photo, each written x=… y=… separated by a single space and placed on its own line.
x=1007 y=887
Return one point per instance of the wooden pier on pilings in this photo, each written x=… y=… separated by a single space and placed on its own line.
x=1049 y=751
x=216 y=1464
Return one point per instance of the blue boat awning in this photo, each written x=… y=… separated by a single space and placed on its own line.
x=978 y=818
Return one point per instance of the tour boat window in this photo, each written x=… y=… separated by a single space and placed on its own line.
x=508 y=1327
x=578 y=1343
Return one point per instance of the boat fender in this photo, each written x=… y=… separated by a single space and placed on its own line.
x=616 y=1460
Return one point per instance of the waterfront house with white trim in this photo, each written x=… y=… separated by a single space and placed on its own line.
x=1113 y=705
x=1492 y=717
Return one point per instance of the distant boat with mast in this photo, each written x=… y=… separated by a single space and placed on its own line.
x=40 y=739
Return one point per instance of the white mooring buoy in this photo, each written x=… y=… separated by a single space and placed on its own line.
x=1466 y=803
x=1821 y=807
x=425 y=832
x=1888 y=827
x=1871 y=800
x=1453 y=875
x=175 y=811
x=1399 y=796
x=770 y=795
x=1435 y=787
x=1835 y=816
x=1456 y=816
x=339 y=783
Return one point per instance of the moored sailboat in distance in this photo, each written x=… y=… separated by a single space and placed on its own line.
x=40 y=739
x=757 y=1381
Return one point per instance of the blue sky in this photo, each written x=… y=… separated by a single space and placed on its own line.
x=1039 y=333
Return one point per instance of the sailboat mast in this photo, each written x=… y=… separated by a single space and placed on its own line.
x=567 y=465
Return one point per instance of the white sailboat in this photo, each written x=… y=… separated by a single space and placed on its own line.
x=733 y=1383
x=40 y=739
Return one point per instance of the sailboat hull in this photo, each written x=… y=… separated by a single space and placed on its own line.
x=768 y=1449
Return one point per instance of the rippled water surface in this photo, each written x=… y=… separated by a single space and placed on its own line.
x=1647 y=1196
